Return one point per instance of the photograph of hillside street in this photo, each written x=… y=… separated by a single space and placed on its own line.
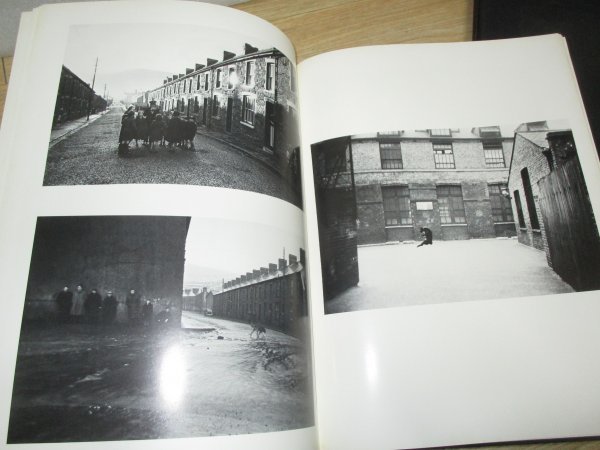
x=416 y=217
x=150 y=327
x=218 y=112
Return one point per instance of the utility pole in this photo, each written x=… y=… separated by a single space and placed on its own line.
x=92 y=91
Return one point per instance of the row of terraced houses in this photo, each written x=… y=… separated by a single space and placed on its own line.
x=273 y=296
x=248 y=100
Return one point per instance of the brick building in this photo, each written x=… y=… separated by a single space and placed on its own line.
x=201 y=301
x=551 y=203
x=273 y=296
x=449 y=180
x=75 y=98
x=248 y=100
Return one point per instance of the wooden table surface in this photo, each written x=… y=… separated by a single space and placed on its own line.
x=317 y=26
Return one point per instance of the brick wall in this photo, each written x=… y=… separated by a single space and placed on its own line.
x=528 y=155
x=370 y=215
x=115 y=253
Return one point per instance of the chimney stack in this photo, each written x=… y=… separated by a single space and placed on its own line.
x=282 y=263
x=249 y=49
x=272 y=268
x=293 y=259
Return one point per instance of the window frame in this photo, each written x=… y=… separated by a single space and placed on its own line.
x=440 y=158
x=449 y=196
x=250 y=78
x=396 y=206
x=386 y=151
x=495 y=160
x=218 y=78
x=246 y=111
x=500 y=205
x=270 y=76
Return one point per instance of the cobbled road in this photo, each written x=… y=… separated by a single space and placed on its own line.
x=89 y=156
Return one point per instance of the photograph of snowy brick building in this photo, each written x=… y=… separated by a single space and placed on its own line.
x=377 y=190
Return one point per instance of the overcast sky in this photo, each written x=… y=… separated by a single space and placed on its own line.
x=238 y=247
x=160 y=47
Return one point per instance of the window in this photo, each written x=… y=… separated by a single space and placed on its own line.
x=270 y=83
x=250 y=73
x=493 y=154
x=196 y=105
x=443 y=156
x=440 y=132
x=206 y=81
x=533 y=217
x=489 y=132
x=218 y=78
x=215 y=105
x=501 y=208
x=450 y=204
x=190 y=86
x=391 y=155
x=519 y=206
x=248 y=104
x=231 y=78
x=396 y=205
x=198 y=79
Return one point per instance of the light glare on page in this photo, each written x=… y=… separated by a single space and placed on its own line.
x=172 y=377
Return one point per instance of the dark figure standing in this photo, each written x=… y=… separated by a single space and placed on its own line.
x=427 y=236
x=133 y=305
x=147 y=313
x=64 y=303
x=109 y=308
x=93 y=306
x=128 y=128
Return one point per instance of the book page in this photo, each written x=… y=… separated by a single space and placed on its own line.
x=454 y=286
x=153 y=234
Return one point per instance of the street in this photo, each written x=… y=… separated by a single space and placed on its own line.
x=80 y=383
x=89 y=156
x=447 y=271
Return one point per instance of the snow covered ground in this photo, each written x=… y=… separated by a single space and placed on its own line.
x=447 y=271
x=78 y=382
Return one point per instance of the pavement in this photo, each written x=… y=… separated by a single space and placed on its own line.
x=83 y=383
x=447 y=271
x=88 y=155
x=65 y=129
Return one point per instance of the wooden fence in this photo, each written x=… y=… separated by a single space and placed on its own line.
x=571 y=230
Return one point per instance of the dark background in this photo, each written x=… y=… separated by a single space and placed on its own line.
x=577 y=20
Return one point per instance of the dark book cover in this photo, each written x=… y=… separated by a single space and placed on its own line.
x=577 y=20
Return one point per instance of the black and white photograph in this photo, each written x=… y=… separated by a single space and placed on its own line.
x=151 y=327
x=175 y=104
x=429 y=216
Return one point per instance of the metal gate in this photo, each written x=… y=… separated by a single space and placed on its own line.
x=570 y=226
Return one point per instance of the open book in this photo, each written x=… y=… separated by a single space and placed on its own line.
x=205 y=246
